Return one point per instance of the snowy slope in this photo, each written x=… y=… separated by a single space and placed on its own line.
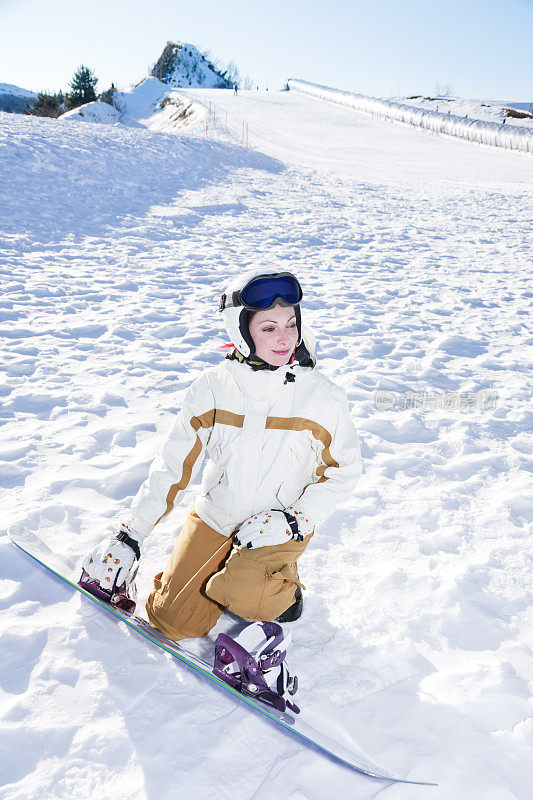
x=309 y=134
x=413 y=251
x=96 y=111
x=494 y=134
x=9 y=88
x=14 y=99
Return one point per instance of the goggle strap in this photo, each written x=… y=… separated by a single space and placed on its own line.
x=232 y=301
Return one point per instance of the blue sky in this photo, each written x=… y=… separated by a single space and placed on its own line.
x=482 y=48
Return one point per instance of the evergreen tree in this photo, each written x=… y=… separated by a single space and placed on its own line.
x=46 y=105
x=82 y=86
x=107 y=96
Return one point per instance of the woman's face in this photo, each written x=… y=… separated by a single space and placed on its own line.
x=274 y=333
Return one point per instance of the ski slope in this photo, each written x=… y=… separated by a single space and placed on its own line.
x=442 y=123
x=414 y=252
x=310 y=134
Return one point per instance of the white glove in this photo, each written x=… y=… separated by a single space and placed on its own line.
x=273 y=527
x=112 y=565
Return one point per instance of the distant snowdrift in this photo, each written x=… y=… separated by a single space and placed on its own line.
x=150 y=104
x=93 y=112
x=509 y=136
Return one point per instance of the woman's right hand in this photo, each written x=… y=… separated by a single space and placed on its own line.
x=111 y=567
x=270 y=528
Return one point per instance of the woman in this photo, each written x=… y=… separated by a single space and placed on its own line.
x=283 y=453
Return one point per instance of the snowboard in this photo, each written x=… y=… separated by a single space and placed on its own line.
x=30 y=544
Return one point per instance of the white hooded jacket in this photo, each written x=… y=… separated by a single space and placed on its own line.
x=271 y=441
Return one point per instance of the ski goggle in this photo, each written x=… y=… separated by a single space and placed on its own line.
x=264 y=292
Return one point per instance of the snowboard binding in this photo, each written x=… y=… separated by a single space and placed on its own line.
x=254 y=664
x=122 y=597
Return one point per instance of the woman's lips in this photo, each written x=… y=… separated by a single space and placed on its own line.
x=281 y=352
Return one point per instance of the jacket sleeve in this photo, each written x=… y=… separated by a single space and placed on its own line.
x=340 y=464
x=178 y=461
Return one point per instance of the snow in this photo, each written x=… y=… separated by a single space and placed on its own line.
x=142 y=100
x=485 y=110
x=191 y=68
x=9 y=88
x=96 y=111
x=13 y=99
x=496 y=134
x=149 y=104
x=413 y=250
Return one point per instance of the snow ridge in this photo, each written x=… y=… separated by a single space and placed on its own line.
x=508 y=136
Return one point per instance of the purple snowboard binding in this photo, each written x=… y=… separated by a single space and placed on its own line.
x=254 y=664
x=121 y=597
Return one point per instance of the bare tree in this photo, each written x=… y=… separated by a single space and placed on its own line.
x=232 y=73
x=443 y=90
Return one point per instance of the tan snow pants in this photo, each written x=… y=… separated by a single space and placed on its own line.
x=207 y=573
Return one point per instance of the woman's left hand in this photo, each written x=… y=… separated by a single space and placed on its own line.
x=273 y=527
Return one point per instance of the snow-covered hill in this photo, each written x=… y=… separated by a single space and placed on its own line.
x=149 y=104
x=10 y=88
x=96 y=111
x=14 y=99
x=414 y=253
x=181 y=64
